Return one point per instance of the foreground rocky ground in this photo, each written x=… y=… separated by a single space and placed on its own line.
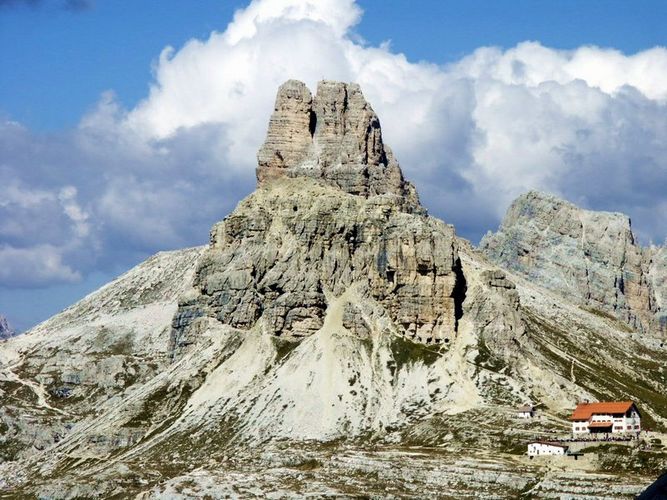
x=386 y=471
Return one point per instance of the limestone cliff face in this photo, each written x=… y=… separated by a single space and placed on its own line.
x=334 y=136
x=590 y=257
x=656 y=261
x=332 y=212
x=292 y=246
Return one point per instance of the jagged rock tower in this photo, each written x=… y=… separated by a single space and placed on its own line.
x=334 y=136
x=333 y=232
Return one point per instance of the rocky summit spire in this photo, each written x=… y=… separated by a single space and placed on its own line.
x=334 y=136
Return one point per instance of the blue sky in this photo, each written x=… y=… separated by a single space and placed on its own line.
x=58 y=61
x=87 y=171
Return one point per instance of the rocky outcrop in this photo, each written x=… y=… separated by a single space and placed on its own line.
x=331 y=211
x=280 y=258
x=590 y=257
x=6 y=330
x=495 y=308
x=334 y=136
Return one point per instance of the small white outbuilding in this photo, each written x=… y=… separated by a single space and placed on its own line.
x=526 y=411
x=539 y=448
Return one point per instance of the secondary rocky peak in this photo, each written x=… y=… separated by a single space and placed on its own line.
x=334 y=136
x=589 y=256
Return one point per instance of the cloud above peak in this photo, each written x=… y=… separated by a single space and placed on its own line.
x=587 y=124
x=338 y=15
x=531 y=64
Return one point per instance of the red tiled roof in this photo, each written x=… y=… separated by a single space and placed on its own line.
x=584 y=411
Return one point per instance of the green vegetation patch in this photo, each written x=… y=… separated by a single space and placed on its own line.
x=608 y=316
x=150 y=407
x=284 y=347
x=486 y=359
x=309 y=464
x=405 y=352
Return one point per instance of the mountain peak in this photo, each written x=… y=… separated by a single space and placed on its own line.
x=547 y=202
x=6 y=330
x=592 y=257
x=334 y=136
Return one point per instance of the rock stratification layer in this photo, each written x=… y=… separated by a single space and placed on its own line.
x=334 y=136
x=292 y=247
x=589 y=256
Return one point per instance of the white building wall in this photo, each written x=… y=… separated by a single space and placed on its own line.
x=538 y=449
x=579 y=427
x=631 y=423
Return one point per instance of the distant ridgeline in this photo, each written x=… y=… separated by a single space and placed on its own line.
x=6 y=330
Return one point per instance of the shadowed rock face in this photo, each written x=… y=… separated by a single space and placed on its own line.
x=591 y=257
x=657 y=278
x=335 y=137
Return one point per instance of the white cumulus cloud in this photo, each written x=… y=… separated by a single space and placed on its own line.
x=34 y=266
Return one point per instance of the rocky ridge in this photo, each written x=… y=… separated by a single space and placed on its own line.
x=6 y=330
x=328 y=329
x=587 y=256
